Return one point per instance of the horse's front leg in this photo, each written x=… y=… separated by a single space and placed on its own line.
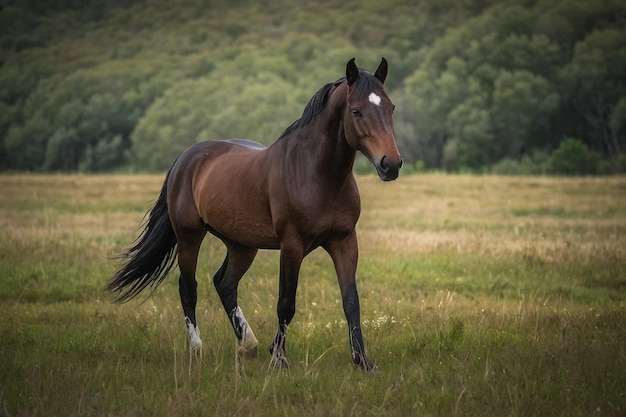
x=345 y=254
x=290 y=261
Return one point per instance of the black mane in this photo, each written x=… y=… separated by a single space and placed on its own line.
x=313 y=107
x=366 y=83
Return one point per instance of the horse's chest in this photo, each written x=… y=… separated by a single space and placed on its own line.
x=325 y=217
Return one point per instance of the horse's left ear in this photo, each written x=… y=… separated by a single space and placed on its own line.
x=381 y=72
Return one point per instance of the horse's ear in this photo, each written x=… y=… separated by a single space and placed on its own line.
x=352 y=72
x=381 y=72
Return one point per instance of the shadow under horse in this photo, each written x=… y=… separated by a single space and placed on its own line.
x=295 y=195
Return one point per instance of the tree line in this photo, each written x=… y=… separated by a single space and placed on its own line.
x=533 y=86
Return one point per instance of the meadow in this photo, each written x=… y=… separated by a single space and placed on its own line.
x=480 y=295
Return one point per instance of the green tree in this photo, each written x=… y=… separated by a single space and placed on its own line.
x=25 y=145
x=471 y=135
x=574 y=158
x=218 y=107
x=83 y=84
x=434 y=98
x=596 y=82
x=62 y=151
x=522 y=105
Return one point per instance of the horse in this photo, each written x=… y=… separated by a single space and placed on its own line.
x=295 y=195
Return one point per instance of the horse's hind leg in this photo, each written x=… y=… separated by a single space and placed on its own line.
x=188 y=248
x=226 y=280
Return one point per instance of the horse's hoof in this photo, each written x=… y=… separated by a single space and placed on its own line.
x=365 y=363
x=370 y=367
x=248 y=345
x=195 y=346
x=195 y=343
x=279 y=362
x=248 y=352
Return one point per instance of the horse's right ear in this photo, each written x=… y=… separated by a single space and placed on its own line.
x=352 y=72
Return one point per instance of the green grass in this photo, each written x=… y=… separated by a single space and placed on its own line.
x=479 y=296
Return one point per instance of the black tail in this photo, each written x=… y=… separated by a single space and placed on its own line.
x=152 y=256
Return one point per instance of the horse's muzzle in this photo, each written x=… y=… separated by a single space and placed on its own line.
x=388 y=169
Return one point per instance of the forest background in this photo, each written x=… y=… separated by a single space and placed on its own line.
x=513 y=87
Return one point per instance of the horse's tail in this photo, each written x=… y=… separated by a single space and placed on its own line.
x=150 y=259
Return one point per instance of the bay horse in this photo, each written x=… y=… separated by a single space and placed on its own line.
x=295 y=195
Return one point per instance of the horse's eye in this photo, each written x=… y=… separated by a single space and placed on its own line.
x=394 y=108
x=357 y=113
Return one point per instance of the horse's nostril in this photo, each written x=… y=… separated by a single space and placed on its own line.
x=383 y=165
x=386 y=166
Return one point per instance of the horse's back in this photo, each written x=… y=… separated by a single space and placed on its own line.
x=213 y=148
x=221 y=165
x=202 y=155
x=245 y=142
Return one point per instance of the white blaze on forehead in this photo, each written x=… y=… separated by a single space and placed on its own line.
x=374 y=99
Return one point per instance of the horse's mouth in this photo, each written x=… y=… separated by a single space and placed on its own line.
x=389 y=176
x=388 y=171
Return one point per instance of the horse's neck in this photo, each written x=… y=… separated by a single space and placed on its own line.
x=323 y=146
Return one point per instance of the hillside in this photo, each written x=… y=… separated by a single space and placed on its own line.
x=97 y=86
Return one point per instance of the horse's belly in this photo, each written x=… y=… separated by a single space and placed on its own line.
x=250 y=232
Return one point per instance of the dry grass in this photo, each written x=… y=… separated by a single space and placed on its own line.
x=497 y=215
x=480 y=296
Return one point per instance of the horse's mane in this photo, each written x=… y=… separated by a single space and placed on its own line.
x=314 y=107
x=366 y=83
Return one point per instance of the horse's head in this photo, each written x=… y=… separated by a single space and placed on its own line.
x=368 y=121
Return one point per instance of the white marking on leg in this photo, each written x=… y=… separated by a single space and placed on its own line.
x=195 y=343
x=374 y=99
x=249 y=342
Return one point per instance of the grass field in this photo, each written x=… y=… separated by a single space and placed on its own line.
x=479 y=295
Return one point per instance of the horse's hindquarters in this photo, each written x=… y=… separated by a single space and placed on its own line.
x=231 y=194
